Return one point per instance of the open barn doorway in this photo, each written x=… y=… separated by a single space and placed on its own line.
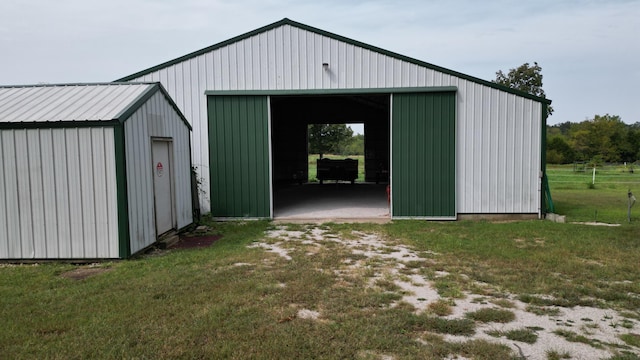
x=335 y=153
x=298 y=193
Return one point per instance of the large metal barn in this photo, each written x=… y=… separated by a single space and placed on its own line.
x=453 y=145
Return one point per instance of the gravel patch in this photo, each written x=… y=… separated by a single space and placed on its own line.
x=601 y=327
x=308 y=314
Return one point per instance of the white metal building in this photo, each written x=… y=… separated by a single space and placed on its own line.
x=91 y=171
x=498 y=132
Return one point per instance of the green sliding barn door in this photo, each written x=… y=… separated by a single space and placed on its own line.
x=423 y=155
x=239 y=156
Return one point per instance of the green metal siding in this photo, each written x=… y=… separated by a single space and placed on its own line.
x=423 y=155
x=239 y=156
x=124 y=241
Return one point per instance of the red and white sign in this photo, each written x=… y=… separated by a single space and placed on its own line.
x=159 y=169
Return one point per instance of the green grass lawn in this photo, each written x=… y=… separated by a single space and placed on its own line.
x=575 y=195
x=232 y=301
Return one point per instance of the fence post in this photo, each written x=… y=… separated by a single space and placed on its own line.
x=632 y=200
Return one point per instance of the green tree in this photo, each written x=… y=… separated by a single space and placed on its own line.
x=564 y=127
x=604 y=136
x=328 y=138
x=355 y=145
x=559 y=151
x=632 y=149
x=524 y=78
x=554 y=157
x=580 y=140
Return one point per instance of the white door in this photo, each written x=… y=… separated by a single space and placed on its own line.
x=162 y=185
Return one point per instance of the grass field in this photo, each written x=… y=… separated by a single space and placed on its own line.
x=237 y=302
x=575 y=195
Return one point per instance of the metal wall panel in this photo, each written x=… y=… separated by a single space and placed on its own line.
x=51 y=248
x=240 y=172
x=495 y=173
x=155 y=118
x=498 y=152
x=59 y=196
x=36 y=188
x=10 y=222
x=423 y=155
x=24 y=193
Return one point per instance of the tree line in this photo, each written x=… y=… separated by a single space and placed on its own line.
x=335 y=139
x=602 y=139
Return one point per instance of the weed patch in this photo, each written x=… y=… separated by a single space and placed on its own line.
x=523 y=335
x=464 y=327
x=441 y=307
x=631 y=339
x=488 y=315
x=574 y=337
x=504 y=303
x=541 y=310
x=558 y=355
x=482 y=350
x=448 y=288
x=387 y=285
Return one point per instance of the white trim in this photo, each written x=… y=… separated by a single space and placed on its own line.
x=455 y=156
x=271 y=212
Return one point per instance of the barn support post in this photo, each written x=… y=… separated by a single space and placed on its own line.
x=546 y=202
x=124 y=242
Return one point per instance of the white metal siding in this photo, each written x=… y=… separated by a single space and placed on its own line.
x=498 y=151
x=498 y=154
x=59 y=193
x=155 y=118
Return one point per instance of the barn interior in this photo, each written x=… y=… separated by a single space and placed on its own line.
x=293 y=195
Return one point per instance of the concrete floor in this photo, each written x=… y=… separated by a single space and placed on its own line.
x=331 y=200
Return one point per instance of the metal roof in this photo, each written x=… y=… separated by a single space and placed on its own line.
x=70 y=102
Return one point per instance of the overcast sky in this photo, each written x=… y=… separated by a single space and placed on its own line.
x=589 y=50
